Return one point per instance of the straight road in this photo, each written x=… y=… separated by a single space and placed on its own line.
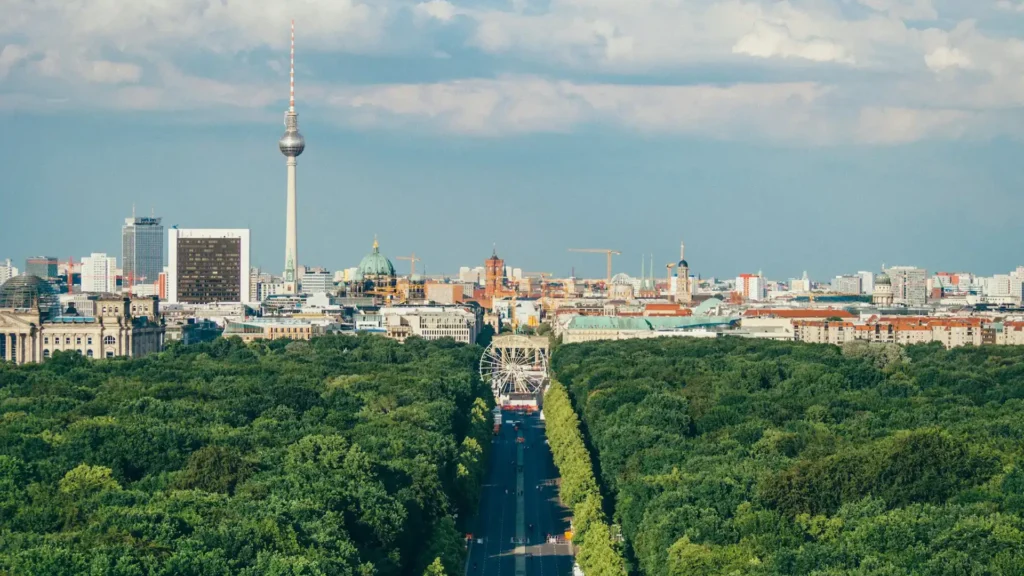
x=496 y=521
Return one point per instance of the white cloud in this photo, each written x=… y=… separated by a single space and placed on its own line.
x=942 y=58
x=769 y=40
x=438 y=9
x=11 y=55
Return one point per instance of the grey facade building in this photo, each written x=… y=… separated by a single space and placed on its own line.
x=847 y=284
x=909 y=285
x=142 y=250
x=208 y=266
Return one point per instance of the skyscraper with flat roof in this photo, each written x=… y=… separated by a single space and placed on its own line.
x=208 y=266
x=142 y=251
x=44 y=267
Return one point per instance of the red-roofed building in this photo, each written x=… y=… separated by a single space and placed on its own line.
x=797 y=313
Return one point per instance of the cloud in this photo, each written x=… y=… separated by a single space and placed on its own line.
x=769 y=40
x=437 y=9
x=943 y=58
x=10 y=56
x=903 y=125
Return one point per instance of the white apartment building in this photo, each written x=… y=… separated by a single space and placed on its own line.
x=317 y=281
x=867 y=282
x=909 y=285
x=7 y=271
x=99 y=274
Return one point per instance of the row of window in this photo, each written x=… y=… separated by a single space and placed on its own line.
x=88 y=353
x=78 y=340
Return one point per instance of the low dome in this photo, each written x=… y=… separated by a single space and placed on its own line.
x=375 y=264
x=683 y=264
x=883 y=278
x=27 y=292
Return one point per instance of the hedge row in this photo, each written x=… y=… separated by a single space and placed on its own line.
x=598 y=555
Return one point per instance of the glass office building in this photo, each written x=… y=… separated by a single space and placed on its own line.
x=142 y=251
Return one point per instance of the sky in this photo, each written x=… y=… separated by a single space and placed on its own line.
x=826 y=136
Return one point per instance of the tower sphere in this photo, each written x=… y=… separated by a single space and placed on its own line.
x=292 y=143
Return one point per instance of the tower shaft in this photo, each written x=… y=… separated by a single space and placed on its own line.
x=291 y=241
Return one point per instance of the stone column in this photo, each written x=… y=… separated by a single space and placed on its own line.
x=7 y=346
x=24 y=348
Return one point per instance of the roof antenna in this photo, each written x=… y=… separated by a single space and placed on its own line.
x=291 y=75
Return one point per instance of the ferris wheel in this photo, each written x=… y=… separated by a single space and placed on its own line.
x=514 y=365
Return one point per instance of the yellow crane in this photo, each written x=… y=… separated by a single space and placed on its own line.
x=608 y=281
x=412 y=263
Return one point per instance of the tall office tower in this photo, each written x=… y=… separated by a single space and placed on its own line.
x=99 y=274
x=44 y=267
x=142 y=251
x=909 y=285
x=206 y=266
x=7 y=271
x=292 y=144
x=867 y=282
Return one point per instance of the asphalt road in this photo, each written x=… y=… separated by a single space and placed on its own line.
x=496 y=522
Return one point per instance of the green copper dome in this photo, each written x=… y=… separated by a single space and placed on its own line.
x=375 y=264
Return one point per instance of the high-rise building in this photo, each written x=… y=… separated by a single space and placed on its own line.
x=317 y=281
x=867 y=282
x=142 y=251
x=207 y=266
x=751 y=286
x=44 y=267
x=7 y=271
x=909 y=285
x=99 y=274
x=292 y=144
x=847 y=284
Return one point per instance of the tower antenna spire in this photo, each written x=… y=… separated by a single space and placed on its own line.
x=291 y=75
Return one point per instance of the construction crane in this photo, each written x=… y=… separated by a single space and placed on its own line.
x=608 y=281
x=668 y=278
x=71 y=274
x=412 y=263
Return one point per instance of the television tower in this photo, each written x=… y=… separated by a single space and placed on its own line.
x=292 y=144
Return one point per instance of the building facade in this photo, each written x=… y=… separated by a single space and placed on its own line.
x=317 y=281
x=909 y=285
x=7 y=271
x=207 y=266
x=142 y=251
x=99 y=274
x=32 y=327
x=44 y=267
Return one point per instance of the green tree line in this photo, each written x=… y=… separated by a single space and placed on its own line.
x=342 y=456
x=740 y=457
x=597 y=554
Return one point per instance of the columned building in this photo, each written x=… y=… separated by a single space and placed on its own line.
x=32 y=327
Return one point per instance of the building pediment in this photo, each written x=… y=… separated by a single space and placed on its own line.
x=10 y=321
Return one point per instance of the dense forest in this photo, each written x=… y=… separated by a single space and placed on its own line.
x=741 y=457
x=346 y=455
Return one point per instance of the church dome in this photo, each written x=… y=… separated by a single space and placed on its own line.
x=28 y=292
x=375 y=264
x=683 y=264
x=883 y=278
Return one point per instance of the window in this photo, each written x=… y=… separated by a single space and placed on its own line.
x=89 y=340
x=46 y=339
x=46 y=353
x=89 y=353
x=108 y=340
x=67 y=340
x=78 y=340
x=110 y=354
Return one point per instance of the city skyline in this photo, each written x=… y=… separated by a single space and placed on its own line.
x=538 y=162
